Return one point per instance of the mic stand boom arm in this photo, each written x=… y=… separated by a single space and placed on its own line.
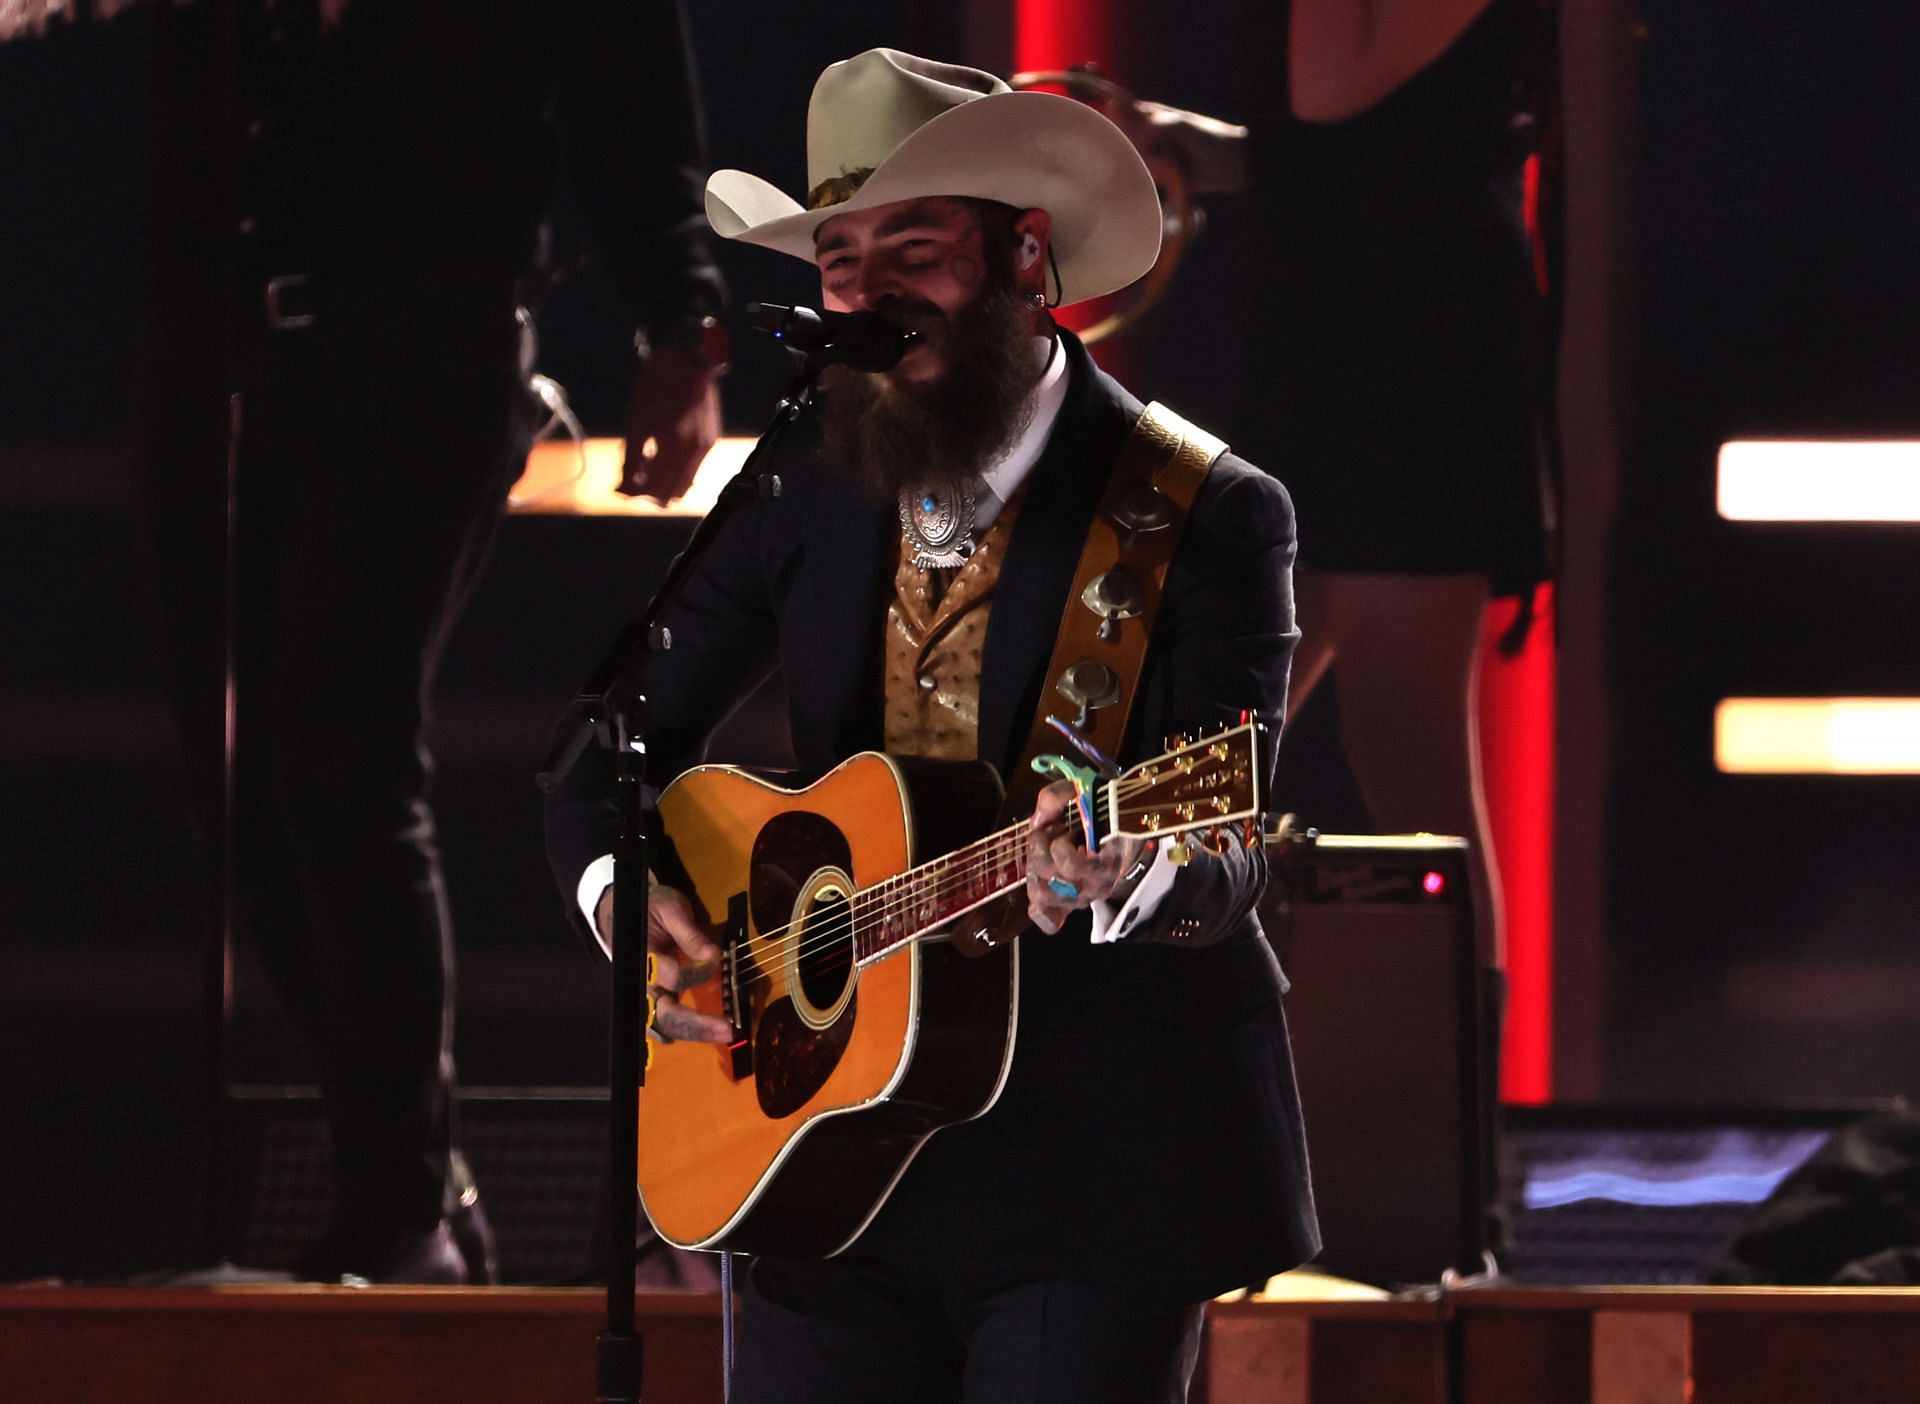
x=615 y=688
x=612 y=709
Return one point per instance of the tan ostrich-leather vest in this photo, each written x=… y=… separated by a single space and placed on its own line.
x=936 y=631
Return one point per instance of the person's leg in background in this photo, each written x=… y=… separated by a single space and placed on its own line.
x=1407 y=647
x=379 y=495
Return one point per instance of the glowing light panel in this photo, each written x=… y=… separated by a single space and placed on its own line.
x=1723 y=1167
x=1628 y=1189
x=1817 y=736
x=1765 y=480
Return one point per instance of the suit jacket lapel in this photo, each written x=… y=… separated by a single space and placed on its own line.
x=850 y=577
x=1061 y=494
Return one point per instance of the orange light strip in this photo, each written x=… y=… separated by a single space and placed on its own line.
x=1817 y=736
x=554 y=483
x=1812 y=480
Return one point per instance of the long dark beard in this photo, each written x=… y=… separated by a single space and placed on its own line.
x=890 y=433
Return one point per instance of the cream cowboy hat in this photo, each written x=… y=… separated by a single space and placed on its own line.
x=925 y=129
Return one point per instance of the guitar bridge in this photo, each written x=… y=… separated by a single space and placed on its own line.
x=734 y=960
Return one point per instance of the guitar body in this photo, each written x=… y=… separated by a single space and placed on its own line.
x=789 y=1142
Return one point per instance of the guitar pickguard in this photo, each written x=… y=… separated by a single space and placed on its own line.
x=801 y=947
x=791 y=1060
x=787 y=851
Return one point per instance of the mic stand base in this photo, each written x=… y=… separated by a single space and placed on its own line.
x=622 y=1359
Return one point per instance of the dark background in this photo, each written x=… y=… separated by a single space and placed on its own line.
x=1763 y=929
x=1759 y=931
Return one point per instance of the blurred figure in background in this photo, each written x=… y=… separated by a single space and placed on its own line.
x=1401 y=383
x=348 y=197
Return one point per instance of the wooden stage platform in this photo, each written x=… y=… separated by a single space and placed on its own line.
x=306 y=1345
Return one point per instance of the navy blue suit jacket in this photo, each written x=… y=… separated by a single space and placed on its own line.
x=1149 y=1135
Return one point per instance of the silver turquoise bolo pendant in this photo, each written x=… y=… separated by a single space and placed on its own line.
x=937 y=524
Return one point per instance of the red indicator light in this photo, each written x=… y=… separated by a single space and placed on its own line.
x=1434 y=884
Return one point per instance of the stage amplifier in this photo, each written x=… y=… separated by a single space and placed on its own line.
x=1393 y=1025
x=539 y=1155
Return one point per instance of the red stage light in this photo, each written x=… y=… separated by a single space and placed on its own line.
x=1516 y=747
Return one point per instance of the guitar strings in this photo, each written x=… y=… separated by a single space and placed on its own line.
x=986 y=857
x=965 y=873
x=982 y=858
x=842 y=928
x=845 y=927
x=997 y=850
x=1118 y=788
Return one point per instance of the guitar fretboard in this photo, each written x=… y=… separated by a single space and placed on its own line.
x=889 y=914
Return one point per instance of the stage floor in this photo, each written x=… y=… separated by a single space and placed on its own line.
x=291 y=1345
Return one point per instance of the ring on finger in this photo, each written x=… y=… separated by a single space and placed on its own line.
x=1062 y=888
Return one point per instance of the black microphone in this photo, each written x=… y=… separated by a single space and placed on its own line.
x=862 y=341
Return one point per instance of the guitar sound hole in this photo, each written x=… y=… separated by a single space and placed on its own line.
x=823 y=959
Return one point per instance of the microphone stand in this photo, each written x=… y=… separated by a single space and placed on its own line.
x=612 y=710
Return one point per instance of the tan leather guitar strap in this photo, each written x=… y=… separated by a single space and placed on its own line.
x=1098 y=655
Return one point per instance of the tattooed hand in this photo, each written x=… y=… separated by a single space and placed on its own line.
x=1062 y=877
x=684 y=956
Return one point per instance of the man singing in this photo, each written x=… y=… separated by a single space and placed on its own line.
x=1145 y=1152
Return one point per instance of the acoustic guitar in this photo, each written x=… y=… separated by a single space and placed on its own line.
x=862 y=1023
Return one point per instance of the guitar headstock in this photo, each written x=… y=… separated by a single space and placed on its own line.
x=1207 y=781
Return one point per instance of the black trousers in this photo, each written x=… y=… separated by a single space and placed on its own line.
x=854 y=1333
x=952 y=1300
x=374 y=458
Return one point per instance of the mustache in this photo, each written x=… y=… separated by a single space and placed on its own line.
x=887 y=432
x=926 y=318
